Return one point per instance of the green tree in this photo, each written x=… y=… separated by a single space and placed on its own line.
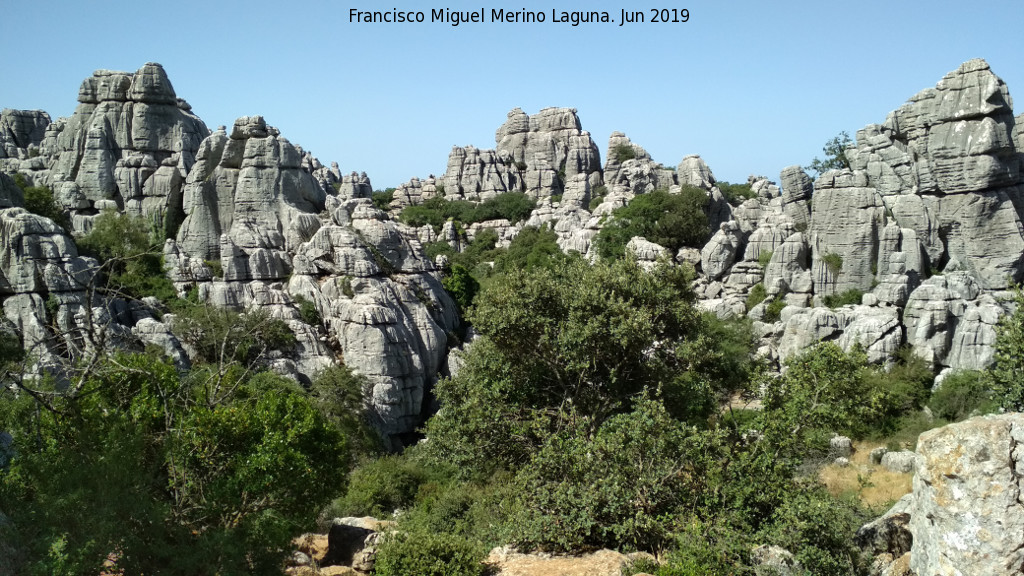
x=835 y=155
x=580 y=336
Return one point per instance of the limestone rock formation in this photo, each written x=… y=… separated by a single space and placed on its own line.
x=247 y=202
x=549 y=149
x=947 y=167
x=22 y=133
x=131 y=141
x=383 y=305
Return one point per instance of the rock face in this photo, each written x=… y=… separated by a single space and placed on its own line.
x=22 y=132
x=247 y=202
x=383 y=305
x=966 y=516
x=43 y=284
x=129 y=145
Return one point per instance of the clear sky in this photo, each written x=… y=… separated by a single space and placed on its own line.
x=750 y=85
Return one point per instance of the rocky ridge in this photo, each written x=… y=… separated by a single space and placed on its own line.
x=924 y=229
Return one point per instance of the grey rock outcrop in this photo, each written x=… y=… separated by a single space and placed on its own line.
x=248 y=202
x=951 y=322
x=22 y=132
x=383 y=305
x=888 y=540
x=947 y=167
x=130 y=141
x=846 y=223
x=549 y=148
x=42 y=282
x=720 y=252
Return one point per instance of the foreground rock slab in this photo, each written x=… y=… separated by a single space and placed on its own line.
x=967 y=516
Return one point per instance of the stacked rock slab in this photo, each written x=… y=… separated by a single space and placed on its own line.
x=550 y=148
x=21 y=134
x=947 y=167
x=934 y=191
x=128 y=146
x=248 y=202
x=278 y=235
x=43 y=285
x=383 y=305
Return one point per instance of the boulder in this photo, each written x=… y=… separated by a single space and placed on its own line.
x=966 y=516
x=902 y=462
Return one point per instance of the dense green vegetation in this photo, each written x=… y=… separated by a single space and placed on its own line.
x=851 y=296
x=671 y=220
x=213 y=472
x=512 y=206
x=39 y=200
x=130 y=255
x=735 y=194
x=382 y=198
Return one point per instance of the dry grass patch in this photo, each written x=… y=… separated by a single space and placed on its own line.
x=873 y=485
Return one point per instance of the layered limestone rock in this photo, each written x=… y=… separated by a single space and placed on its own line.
x=549 y=148
x=950 y=322
x=277 y=236
x=845 y=228
x=966 y=515
x=21 y=134
x=382 y=304
x=129 y=144
x=629 y=170
x=475 y=174
x=248 y=203
x=43 y=285
x=874 y=329
x=948 y=168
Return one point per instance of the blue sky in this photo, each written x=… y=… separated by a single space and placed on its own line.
x=752 y=86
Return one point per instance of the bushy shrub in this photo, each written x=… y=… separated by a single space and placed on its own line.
x=39 y=200
x=429 y=554
x=614 y=489
x=1007 y=371
x=338 y=393
x=597 y=195
x=379 y=487
x=757 y=295
x=308 y=311
x=222 y=336
x=962 y=394
x=773 y=311
x=382 y=198
x=532 y=247
x=131 y=256
x=735 y=194
x=139 y=466
x=834 y=262
x=623 y=152
x=818 y=529
x=670 y=220
x=461 y=285
x=512 y=206
x=851 y=296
